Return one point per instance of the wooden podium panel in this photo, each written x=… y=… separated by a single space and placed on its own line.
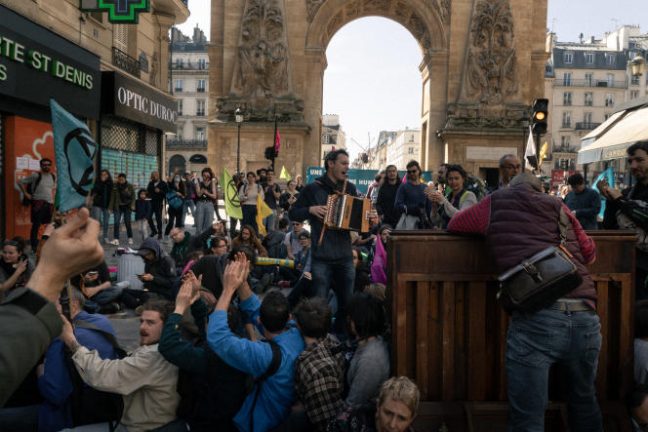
x=449 y=333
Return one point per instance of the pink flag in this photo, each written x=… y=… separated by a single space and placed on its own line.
x=277 y=141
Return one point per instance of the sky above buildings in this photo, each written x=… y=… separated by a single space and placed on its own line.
x=373 y=81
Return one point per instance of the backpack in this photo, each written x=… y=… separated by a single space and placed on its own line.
x=88 y=405
x=31 y=188
x=476 y=186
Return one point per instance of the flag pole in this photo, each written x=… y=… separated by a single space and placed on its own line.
x=274 y=138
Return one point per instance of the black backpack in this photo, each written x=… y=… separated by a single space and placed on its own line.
x=87 y=404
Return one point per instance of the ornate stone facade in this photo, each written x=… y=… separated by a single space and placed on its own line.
x=483 y=64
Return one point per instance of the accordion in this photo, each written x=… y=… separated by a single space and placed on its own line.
x=346 y=212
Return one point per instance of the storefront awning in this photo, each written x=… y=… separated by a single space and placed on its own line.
x=612 y=138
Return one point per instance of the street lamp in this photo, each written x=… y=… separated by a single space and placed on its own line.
x=238 y=117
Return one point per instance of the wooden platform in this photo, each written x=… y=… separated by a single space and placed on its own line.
x=449 y=333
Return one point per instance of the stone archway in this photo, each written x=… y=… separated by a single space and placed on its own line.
x=483 y=63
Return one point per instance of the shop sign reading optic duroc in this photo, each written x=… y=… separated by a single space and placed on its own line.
x=135 y=101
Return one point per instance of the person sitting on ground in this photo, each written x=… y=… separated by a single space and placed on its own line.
x=145 y=379
x=369 y=366
x=192 y=259
x=377 y=290
x=291 y=241
x=202 y=240
x=362 y=272
x=158 y=278
x=183 y=245
x=271 y=364
x=641 y=343
x=59 y=410
x=210 y=268
x=319 y=376
x=395 y=411
x=101 y=295
x=15 y=267
x=274 y=240
x=302 y=277
x=248 y=237
x=26 y=332
x=213 y=391
x=637 y=404
x=445 y=206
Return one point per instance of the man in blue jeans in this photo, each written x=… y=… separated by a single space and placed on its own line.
x=568 y=332
x=332 y=260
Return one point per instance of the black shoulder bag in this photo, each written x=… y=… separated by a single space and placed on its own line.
x=538 y=281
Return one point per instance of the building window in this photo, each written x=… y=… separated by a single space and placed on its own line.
x=609 y=100
x=589 y=58
x=634 y=94
x=568 y=57
x=200 y=133
x=202 y=63
x=610 y=59
x=120 y=37
x=567 y=98
x=200 y=107
x=567 y=78
x=179 y=107
x=201 y=86
x=565 y=142
x=589 y=99
x=566 y=119
x=178 y=85
x=589 y=78
x=180 y=134
x=610 y=80
x=179 y=63
x=587 y=118
x=635 y=80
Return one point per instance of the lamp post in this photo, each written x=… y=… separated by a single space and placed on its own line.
x=238 y=117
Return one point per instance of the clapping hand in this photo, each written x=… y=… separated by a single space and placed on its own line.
x=188 y=294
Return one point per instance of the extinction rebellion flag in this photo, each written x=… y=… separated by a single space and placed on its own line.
x=74 y=149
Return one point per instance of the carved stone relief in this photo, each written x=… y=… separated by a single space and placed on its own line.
x=261 y=78
x=443 y=6
x=491 y=64
x=476 y=115
x=312 y=6
x=155 y=66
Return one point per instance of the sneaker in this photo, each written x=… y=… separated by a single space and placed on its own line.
x=130 y=241
x=115 y=242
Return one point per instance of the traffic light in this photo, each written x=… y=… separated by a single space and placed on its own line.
x=270 y=153
x=539 y=118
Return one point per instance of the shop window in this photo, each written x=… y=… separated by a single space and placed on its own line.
x=152 y=142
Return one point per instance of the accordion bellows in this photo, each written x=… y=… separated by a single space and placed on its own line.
x=347 y=212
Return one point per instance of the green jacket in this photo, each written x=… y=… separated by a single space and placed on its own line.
x=122 y=195
x=28 y=323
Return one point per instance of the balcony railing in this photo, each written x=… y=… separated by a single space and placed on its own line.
x=587 y=125
x=190 y=67
x=183 y=143
x=590 y=83
x=125 y=62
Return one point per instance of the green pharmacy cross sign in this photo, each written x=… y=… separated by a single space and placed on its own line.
x=119 y=11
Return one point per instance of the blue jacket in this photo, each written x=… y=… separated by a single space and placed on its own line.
x=411 y=199
x=277 y=392
x=55 y=384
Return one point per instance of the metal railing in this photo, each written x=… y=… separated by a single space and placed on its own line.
x=186 y=143
x=586 y=125
x=590 y=83
x=125 y=62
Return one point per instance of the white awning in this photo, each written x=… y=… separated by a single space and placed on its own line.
x=611 y=141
